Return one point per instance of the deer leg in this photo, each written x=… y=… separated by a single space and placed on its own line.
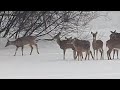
x=91 y=55
x=74 y=54
x=78 y=55
x=31 y=49
x=22 y=50
x=97 y=54
x=117 y=54
x=108 y=54
x=81 y=55
x=114 y=53
x=16 y=51
x=64 y=53
x=86 y=55
x=101 y=52
x=94 y=53
x=37 y=48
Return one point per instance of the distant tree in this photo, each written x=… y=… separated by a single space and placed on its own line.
x=24 y=23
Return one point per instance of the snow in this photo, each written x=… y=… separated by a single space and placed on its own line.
x=49 y=64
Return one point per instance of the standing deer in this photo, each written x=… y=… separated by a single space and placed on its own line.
x=81 y=46
x=20 y=42
x=117 y=51
x=114 y=35
x=112 y=44
x=64 y=45
x=97 y=45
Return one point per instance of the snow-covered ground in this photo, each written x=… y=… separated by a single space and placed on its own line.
x=50 y=64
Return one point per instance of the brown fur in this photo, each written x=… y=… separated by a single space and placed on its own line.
x=82 y=46
x=114 y=36
x=20 y=42
x=64 y=45
x=112 y=45
x=97 y=45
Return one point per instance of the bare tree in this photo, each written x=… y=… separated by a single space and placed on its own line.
x=25 y=23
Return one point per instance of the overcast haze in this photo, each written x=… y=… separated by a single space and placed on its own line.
x=50 y=64
x=112 y=22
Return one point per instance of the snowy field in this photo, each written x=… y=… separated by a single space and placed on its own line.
x=49 y=64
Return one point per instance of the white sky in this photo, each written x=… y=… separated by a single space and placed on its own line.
x=113 y=23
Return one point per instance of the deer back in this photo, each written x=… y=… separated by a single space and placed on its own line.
x=65 y=45
x=97 y=44
x=114 y=35
x=113 y=43
x=82 y=44
x=25 y=40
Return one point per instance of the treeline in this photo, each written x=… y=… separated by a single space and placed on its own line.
x=14 y=24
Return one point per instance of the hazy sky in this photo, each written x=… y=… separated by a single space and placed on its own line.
x=112 y=23
x=104 y=25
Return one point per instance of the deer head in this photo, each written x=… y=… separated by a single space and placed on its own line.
x=68 y=38
x=57 y=36
x=113 y=34
x=94 y=35
x=8 y=43
x=71 y=41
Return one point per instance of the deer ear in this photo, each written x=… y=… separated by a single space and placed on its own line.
x=111 y=31
x=8 y=40
x=75 y=38
x=70 y=37
x=96 y=32
x=59 y=33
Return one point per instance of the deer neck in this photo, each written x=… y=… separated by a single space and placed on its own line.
x=58 y=41
x=12 y=42
x=94 y=40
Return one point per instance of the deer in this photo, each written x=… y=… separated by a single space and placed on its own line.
x=117 y=51
x=20 y=42
x=64 y=45
x=82 y=46
x=114 y=36
x=97 y=45
x=112 y=44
